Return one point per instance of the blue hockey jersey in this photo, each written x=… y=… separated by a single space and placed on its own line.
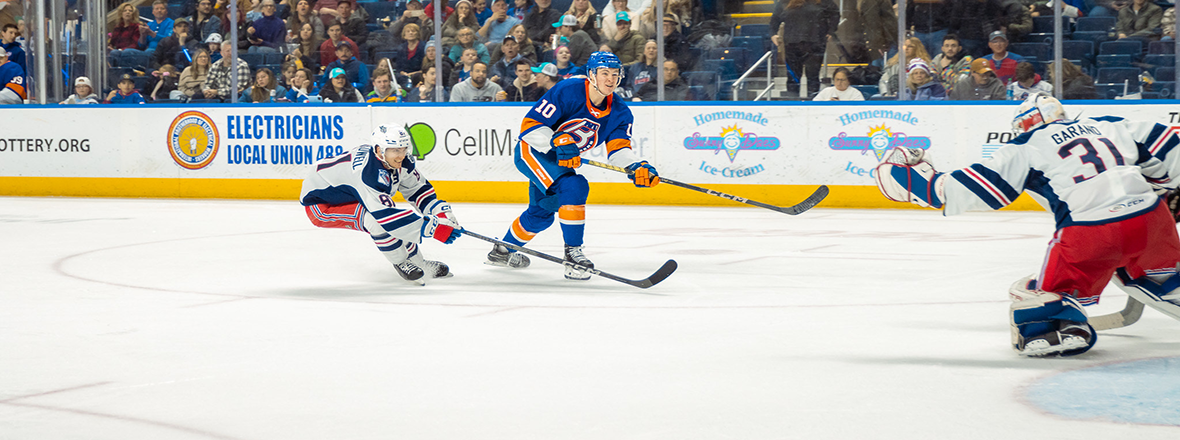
x=567 y=108
x=12 y=83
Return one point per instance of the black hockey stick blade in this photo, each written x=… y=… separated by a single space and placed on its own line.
x=659 y=275
x=808 y=203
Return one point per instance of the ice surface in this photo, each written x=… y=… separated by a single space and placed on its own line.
x=190 y=319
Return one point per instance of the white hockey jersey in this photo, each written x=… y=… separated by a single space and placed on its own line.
x=1090 y=171
x=359 y=177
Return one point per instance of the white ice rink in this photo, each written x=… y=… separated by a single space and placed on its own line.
x=189 y=319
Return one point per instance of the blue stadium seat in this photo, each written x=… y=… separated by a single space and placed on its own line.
x=378 y=10
x=273 y=58
x=252 y=59
x=1152 y=63
x=1110 y=91
x=1095 y=36
x=1044 y=24
x=698 y=93
x=708 y=80
x=146 y=11
x=1077 y=50
x=1134 y=48
x=114 y=74
x=1039 y=37
x=1095 y=24
x=1119 y=76
x=755 y=30
x=1040 y=51
x=738 y=54
x=141 y=84
x=140 y=60
x=867 y=91
x=1161 y=47
x=174 y=11
x=1120 y=60
x=1165 y=73
x=1165 y=89
x=755 y=45
x=727 y=69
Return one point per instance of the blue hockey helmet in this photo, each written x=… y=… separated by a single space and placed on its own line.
x=602 y=59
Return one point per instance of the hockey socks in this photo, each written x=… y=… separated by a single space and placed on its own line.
x=573 y=223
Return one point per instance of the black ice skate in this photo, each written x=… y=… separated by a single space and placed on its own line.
x=410 y=272
x=574 y=254
x=499 y=256
x=437 y=269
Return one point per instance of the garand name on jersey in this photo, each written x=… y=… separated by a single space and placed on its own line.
x=1075 y=131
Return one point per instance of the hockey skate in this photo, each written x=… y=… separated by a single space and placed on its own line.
x=499 y=256
x=410 y=272
x=437 y=269
x=574 y=254
x=1063 y=342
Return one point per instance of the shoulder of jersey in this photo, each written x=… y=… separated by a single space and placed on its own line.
x=360 y=157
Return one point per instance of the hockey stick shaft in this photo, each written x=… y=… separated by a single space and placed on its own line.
x=797 y=209
x=659 y=275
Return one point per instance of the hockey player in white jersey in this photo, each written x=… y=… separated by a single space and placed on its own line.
x=354 y=191
x=1097 y=176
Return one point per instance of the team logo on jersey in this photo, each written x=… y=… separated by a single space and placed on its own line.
x=584 y=132
x=731 y=141
x=879 y=140
x=192 y=140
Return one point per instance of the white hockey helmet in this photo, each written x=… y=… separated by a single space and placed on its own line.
x=1039 y=109
x=391 y=136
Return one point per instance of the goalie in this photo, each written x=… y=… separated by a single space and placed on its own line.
x=1099 y=177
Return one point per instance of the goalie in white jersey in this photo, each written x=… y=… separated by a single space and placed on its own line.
x=354 y=190
x=1097 y=177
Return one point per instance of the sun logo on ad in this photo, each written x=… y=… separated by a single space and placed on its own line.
x=731 y=139
x=193 y=140
x=879 y=140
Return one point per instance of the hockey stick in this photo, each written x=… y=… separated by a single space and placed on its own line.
x=1129 y=315
x=796 y=209
x=655 y=278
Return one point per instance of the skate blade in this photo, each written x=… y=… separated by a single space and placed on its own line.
x=1042 y=350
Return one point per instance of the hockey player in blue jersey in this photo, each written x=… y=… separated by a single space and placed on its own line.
x=573 y=117
x=12 y=81
x=354 y=190
x=1099 y=177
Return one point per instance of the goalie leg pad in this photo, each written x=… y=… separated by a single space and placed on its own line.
x=918 y=184
x=1048 y=323
x=1163 y=296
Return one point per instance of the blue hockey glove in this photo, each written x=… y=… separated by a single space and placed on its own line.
x=643 y=174
x=568 y=153
x=441 y=229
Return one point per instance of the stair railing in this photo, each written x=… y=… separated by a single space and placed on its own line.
x=769 y=81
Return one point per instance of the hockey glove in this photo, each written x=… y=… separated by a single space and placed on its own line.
x=444 y=210
x=643 y=174
x=568 y=153
x=906 y=176
x=441 y=229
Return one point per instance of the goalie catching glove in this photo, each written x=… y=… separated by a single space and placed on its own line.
x=568 y=153
x=440 y=228
x=643 y=174
x=905 y=176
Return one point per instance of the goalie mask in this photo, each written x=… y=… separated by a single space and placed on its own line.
x=391 y=136
x=1036 y=111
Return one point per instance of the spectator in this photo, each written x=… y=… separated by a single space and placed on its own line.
x=921 y=84
x=528 y=48
x=588 y=18
x=523 y=88
x=675 y=46
x=288 y=69
x=429 y=11
x=462 y=19
x=642 y=71
x=521 y=9
x=1140 y=20
x=167 y=81
x=302 y=86
x=626 y=44
x=1075 y=84
x=1168 y=23
x=953 y=63
x=11 y=13
x=411 y=51
x=352 y=25
x=841 y=89
x=304 y=15
x=481 y=11
x=463 y=68
x=126 y=93
x=929 y=21
x=801 y=30
x=160 y=27
x=1069 y=8
x=580 y=43
x=8 y=36
x=1002 y=61
x=193 y=76
x=243 y=24
x=217 y=83
x=675 y=89
x=1011 y=18
x=204 y=22
x=610 y=26
x=539 y=22
x=338 y=89
x=498 y=24
x=565 y=66
x=504 y=71
x=1027 y=82
x=413 y=14
x=355 y=71
x=546 y=77
x=213 y=46
x=913 y=49
x=179 y=47
x=466 y=40
x=307 y=48
x=1107 y=8
x=477 y=88
x=335 y=37
x=128 y=33
x=428 y=61
x=326 y=9
x=424 y=90
x=12 y=81
x=384 y=89
x=686 y=13
x=981 y=85
x=83 y=92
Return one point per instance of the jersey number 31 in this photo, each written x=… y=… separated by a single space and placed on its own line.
x=1090 y=155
